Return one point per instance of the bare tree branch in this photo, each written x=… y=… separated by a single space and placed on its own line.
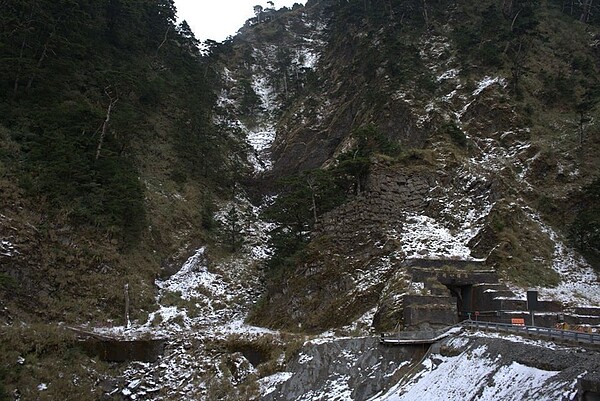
x=585 y=13
x=164 y=40
x=512 y=25
x=111 y=104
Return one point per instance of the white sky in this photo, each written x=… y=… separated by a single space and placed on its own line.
x=218 y=19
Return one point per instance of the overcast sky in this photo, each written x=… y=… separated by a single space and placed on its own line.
x=217 y=19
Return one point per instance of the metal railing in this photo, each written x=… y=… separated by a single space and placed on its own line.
x=539 y=332
x=419 y=337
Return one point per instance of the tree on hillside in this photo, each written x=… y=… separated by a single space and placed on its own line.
x=355 y=163
x=584 y=108
x=585 y=12
x=188 y=39
x=585 y=229
x=301 y=199
x=80 y=81
x=258 y=10
x=233 y=229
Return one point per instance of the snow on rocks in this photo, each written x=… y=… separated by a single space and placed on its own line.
x=446 y=378
x=493 y=157
x=486 y=82
x=217 y=296
x=266 y=94
x=261 y=138
x=7 y=249
x=579 y=282
x=336 y=388
x=433 y=48
x=259 y=128
x=260 y=134
x=362 y=324
x=341 y=369
x=193 y=277
x=252 y=228
x=445 y=233
x=436 y=55
x=366 y=279
x=450 y=74
x=200 y=308
x=269 y=384
x=306 y=58
x=422 y=236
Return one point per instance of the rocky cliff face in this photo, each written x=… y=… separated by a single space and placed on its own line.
x=357 y=368
x=466 y=367
x=483 y=148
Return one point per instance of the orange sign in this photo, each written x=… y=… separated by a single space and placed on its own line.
x=517 y=322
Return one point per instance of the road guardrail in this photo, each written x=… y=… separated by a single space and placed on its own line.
x=535 y=331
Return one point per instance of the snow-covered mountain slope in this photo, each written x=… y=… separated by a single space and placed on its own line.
x=260 y=76
x=474 y=181
x=474 y=169
x=467 y=186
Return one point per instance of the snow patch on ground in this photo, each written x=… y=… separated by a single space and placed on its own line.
x=269 y=384
x=456 y=213
x=579 y=282
x=423 y=236
x=7 y=249
x=192 y=277
x=486 y=82
x=510 y=337
x=306 y=58
x=444 y=378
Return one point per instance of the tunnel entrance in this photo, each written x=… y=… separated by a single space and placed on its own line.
x=464 y=299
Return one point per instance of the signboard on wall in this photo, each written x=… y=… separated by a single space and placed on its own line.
x=532 y=300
